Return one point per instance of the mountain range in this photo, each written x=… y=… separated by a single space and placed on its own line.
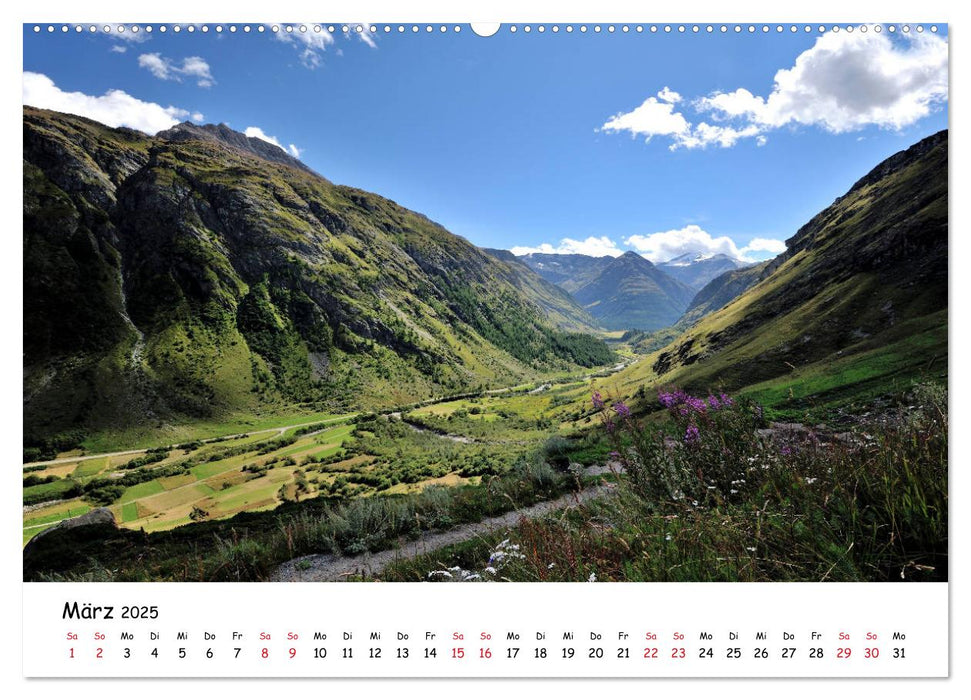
x=200 y=273
x=629 y=291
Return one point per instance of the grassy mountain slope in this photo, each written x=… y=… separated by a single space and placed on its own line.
x=630 y=292
x=560 y=308
x=855 y=306
x=187 y=276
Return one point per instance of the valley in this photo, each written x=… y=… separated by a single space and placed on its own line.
x=232 y=363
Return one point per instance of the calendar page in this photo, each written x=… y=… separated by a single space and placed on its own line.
x=522 y=349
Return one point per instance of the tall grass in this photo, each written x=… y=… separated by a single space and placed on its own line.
x=715 y=494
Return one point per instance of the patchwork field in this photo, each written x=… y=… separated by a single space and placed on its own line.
x=448 y=443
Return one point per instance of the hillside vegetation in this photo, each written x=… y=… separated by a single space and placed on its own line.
x=855 y=308
x=199 y=275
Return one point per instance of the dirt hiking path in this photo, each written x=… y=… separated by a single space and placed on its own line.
x=331 y=567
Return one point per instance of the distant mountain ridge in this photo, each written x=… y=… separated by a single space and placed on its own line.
x=567 y=270
x=631 y=295
x=631 y=292
x=697 y=270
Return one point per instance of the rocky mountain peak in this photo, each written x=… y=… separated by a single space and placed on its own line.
x=226 y=136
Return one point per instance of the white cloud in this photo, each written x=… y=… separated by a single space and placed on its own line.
x=665 y=245
x=130 y=36
x=310 y=43
x=114 y=108
x=257 y=132
x=593 y=246
x=707 y=134
x=759 y=246
x=655 y=117
x=362 y=32
x=844 y=82
x=193 y=67
x=118 y=48
x=669 y=95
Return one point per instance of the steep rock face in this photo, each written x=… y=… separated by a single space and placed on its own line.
x=200 y=273
x=630 y=292
x=867 y=272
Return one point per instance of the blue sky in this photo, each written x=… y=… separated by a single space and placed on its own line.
x=572 y=142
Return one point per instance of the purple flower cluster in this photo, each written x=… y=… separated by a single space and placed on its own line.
x=622 y=410
x=692 y=434
x=598 y=401
x=685 y=404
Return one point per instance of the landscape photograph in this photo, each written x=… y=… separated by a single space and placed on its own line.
x=442 y=303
